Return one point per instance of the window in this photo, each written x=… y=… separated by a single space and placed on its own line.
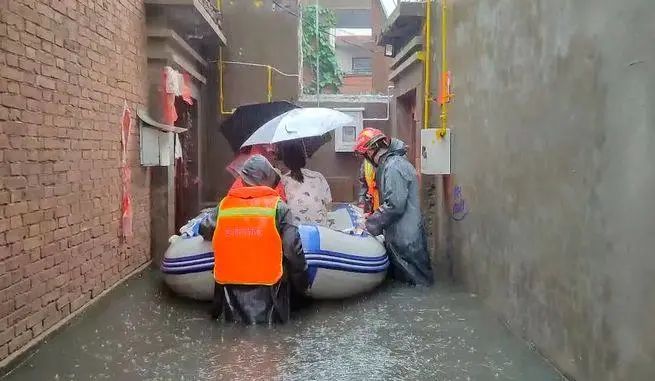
x=349 y=134
x=362 y=65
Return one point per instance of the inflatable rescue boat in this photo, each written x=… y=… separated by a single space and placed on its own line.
x=342 y=260
x=188 y=267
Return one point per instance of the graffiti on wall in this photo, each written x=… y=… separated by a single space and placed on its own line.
x=460 y=207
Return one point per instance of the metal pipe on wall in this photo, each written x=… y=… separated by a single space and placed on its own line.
x=269 y=88
x=426 y=64
x=444 y=71
x=221 y=100
x=269 y=83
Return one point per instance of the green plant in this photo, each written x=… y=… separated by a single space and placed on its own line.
x=330 y=74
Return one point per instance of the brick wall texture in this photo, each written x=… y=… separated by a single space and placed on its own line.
x=357 y=84
x=66 y=68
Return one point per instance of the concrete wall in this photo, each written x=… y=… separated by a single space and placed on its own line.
x=554 y=141
x=405 y=122
x=340 y=4
x=66 y=69
x=255 y=34
x=380 y=62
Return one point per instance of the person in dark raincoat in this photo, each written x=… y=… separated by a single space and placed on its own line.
x=259 y=262
x=235 y=166
x=398 y=217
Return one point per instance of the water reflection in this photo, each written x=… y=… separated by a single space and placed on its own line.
x=141 y=332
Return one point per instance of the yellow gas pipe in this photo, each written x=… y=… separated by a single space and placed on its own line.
x=269 y=81
x=444 y=70
x=426 y=64
x=269 y=87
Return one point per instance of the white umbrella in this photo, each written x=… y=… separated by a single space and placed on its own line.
x=297 y=124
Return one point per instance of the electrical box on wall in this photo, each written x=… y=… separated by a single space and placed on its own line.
x=346 y=136
x=435 y=152
x=157 y=141
x=155 y=147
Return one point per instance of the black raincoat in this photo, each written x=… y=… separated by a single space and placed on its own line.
x=264 y=304
x=399 y=217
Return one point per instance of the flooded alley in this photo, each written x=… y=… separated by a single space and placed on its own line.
x=460 y=189
x=141 y=332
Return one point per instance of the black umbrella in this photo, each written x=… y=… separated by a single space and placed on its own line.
x=247 y=119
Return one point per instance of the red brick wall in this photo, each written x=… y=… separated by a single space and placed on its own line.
x=66 y=68
x=357 y=84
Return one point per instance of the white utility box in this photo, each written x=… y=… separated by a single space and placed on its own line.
x=435 y=152
x=346 y=136
x=157 y=141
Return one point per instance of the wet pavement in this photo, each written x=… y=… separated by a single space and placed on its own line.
x=141 y=332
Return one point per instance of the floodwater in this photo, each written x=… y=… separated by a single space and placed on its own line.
x=141 y=332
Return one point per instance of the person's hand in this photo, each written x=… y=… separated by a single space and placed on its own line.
x=372 y=228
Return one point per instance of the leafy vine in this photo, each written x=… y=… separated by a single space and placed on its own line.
x=330 y=74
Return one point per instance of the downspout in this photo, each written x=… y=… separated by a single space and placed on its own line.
x=426 y=63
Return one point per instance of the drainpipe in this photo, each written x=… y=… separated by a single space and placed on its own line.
x=426 y=63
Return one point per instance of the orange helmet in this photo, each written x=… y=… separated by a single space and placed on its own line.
x=367 y=139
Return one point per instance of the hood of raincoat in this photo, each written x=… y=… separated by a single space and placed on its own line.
x=258 y=171
x=268 y=151
x=396 y=148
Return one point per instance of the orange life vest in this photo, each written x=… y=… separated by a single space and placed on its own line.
x=372 y=190
x=247 y=245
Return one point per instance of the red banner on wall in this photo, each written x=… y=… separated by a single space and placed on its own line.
x=126 y=174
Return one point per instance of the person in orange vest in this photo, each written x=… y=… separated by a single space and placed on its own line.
x=258 y=257
x=368 y=197
x=397 y=214
x=235 y=166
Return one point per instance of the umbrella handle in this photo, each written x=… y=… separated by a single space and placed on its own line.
x=304 y=148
